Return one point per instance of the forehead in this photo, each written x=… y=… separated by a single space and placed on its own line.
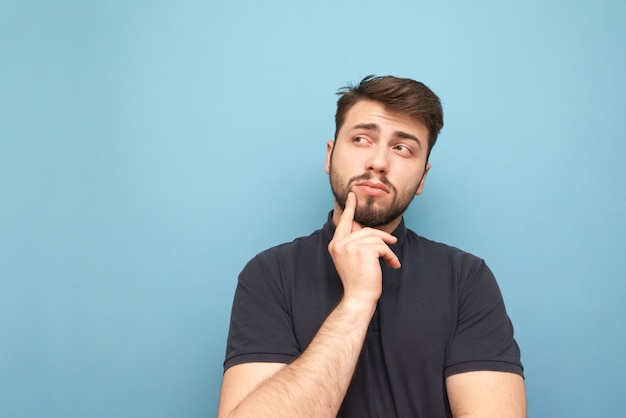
x=369 y=111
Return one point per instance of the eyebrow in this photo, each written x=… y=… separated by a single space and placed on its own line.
x=400 y=134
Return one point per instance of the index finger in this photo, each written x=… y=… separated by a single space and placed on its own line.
x=344 y=226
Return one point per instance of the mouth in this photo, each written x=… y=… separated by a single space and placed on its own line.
x=372 y=188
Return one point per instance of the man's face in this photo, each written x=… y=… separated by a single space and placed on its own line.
x=382 y=158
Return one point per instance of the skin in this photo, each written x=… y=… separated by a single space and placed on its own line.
x=378 y=144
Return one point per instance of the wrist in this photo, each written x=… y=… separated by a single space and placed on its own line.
x=357 y=307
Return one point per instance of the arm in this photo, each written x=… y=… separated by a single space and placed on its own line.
x=315 y=384
x=487 y=394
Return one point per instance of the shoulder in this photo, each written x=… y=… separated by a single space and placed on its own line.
x=445 y=263
x=437 y=251
x=299 y=245
x=277 y=270
x=306 y=249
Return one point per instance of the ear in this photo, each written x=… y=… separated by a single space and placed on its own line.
x=329 y=151
x=420 y=188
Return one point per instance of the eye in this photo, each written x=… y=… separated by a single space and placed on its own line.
x=361 y=140
x=403 y=149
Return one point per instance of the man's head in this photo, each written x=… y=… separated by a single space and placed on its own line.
x=386 y=127
x=397 y=95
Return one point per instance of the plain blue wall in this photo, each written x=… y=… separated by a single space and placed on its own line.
x=148 y=149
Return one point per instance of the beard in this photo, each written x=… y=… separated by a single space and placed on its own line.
x=369 y=213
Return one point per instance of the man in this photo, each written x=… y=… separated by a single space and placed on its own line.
x=364 y=318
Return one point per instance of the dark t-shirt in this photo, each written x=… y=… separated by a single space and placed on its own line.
x=441 y=313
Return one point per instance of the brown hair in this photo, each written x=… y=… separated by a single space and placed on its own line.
x=400 y=95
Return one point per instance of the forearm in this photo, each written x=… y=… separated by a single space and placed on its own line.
x=315 y=384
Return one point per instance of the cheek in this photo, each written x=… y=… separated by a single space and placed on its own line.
x=341 y=164
x=409 y=184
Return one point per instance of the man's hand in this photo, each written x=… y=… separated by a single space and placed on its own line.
x=356 y=253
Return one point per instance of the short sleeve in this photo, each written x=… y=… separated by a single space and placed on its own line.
x=483 y=339
x=261 y=329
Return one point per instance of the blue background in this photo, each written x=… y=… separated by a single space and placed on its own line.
x=148 y=149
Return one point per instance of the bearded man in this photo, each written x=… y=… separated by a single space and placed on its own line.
x=365 y=318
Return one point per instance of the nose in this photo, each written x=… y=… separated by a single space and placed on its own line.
x=378 y=160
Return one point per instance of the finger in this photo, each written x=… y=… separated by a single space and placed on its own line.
x=374 y=237
x=391 y=259
x=359 y=232
x=379 y=241
x=344 y=226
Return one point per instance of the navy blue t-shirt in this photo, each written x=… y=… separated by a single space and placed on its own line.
x=440 y=314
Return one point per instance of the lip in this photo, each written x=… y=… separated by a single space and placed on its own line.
x=373 y=188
